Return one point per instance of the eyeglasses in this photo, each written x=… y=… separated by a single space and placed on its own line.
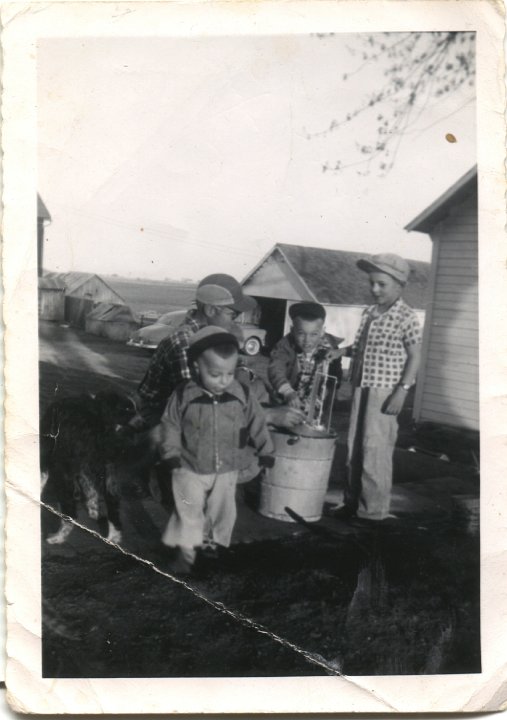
x=230 y=312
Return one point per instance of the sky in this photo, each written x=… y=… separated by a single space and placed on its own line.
x=178 y=157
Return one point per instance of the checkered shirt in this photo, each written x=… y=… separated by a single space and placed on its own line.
x=389 y=335
x=169 y=365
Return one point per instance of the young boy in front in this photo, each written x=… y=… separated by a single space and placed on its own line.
x=385 y=360
x=204 y=430
x=300 y=354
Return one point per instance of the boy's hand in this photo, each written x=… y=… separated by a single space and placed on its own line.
x=336 y=353
x=394 y=403
x=284 y=416
x=293 y=400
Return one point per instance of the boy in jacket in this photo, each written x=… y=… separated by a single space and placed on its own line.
x=298 y=356
x=204 y=430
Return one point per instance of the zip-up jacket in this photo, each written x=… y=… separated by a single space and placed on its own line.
x=207 y=433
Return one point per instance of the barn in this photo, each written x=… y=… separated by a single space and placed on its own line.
x=448 y=385
x=81 y=291
x=116 y=322
x=292 y=273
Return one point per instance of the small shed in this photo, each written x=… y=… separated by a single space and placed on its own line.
x=82 y=292
x=116 y=322
x=448 y=385
x=51 y=299
x=292 y=273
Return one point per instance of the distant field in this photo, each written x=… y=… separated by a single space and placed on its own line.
x=144 y=295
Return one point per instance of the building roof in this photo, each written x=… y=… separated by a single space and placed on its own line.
x=42 y=211
x=109 y=312
x=438 y=210
x=71 y=281
x=51 y=283
x=333 y=278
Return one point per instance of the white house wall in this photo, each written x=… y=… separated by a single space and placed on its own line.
x=448 y=387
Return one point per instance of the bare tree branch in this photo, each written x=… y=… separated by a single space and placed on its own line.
x=417 y=67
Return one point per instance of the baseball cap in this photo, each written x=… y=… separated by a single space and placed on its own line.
x=220 y=289
x=307 y=311
x=209 y=337
x=392 y=265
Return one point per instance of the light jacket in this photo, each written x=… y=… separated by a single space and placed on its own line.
x=208 y=433
x=284 y=367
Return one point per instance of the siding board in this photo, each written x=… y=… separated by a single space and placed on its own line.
x=453 y=419
x=467 y=357
x=457 y=263
x=462 y=372
x=434 y=400
x=456 y=336
x=458 y=390
x=444 y=281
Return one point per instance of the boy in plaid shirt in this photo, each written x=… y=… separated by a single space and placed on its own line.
x=385 y=360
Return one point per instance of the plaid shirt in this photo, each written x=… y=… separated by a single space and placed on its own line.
x=384 y=356
x=167 y=368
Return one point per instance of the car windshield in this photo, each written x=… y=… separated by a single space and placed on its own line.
x=171 y=318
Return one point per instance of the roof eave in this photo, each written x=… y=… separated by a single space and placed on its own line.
x=436 y=212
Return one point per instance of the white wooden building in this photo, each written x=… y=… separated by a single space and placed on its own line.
x=448 y=384
x=292 y=273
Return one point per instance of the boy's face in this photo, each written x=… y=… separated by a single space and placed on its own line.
x=307 y=333
x=216 y=373
x=385 y=289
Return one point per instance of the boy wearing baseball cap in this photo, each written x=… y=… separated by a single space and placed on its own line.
x=204 y=430
x=300 y=354
x=385 y=360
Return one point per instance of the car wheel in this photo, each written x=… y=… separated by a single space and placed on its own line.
x=252 y=346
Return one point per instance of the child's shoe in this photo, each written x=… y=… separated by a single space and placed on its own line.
x=177 y=562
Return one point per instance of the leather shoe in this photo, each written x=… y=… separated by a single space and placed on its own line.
x=341 y=513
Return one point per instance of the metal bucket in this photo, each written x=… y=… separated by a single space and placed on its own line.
x=300 y=477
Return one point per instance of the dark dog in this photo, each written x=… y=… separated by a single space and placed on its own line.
x=81 y=440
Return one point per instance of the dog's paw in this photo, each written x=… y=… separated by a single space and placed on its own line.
x=114 y=535
x=59 y=537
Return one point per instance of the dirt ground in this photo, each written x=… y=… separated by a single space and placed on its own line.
x=286 y=599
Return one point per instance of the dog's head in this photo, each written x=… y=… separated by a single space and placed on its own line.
x=116 y=409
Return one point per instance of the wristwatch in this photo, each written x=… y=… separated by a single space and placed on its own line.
x=405 y=387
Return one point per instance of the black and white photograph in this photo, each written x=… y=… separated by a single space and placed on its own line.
x=257 y=273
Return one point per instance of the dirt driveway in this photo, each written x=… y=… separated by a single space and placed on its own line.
x=400 y=600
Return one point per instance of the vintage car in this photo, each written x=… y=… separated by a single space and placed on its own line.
x=252 y=337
